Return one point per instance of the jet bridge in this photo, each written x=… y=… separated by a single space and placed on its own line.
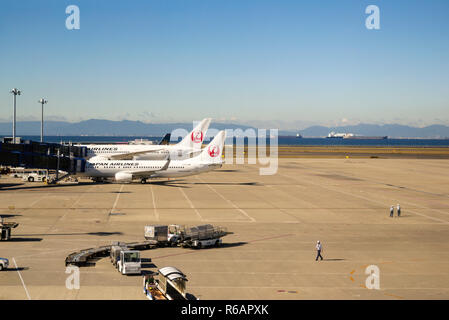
x=36 y=155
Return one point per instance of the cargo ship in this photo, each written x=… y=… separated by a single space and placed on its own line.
x=334 y=135
x=367 y=137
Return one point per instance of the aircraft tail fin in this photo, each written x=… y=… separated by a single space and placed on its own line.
x=214 y=149
x=196 y=137
x=165 y=140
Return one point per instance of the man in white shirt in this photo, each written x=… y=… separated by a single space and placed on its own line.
x=318 y=249
x=399 y=210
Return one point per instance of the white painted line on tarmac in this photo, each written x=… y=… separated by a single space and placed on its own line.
x=21 y=279
x=81 y=196
x=191 y=204
x=116 y=199
x=419 y=207
x=429 y=217
x=68 y=211
x=36 y=201
x=156 y=213
x=229 y=201
x=366 y=198
x=409 y=210
x=283 y=210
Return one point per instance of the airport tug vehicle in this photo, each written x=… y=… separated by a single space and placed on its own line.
x=126 y=261
x=40 y=176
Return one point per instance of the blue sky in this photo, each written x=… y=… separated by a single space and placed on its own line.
x=291 y=63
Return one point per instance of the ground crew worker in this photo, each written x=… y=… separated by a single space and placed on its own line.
x=399 y=210
x=318 y=250
x=391 y=211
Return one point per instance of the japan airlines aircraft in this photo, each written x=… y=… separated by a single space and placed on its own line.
x=190 y=145
x=210 y=158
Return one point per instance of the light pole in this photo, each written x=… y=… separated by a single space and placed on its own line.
x=42 y=102
x=15 y=92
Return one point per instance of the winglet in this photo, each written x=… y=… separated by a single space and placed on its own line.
x=165 y=167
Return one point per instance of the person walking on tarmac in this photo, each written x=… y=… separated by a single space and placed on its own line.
x=399 y=210
x=391 y=211
x=318 y=250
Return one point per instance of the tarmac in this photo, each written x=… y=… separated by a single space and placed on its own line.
x=276 y=221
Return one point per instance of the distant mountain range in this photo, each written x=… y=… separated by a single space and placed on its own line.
x=95 y=127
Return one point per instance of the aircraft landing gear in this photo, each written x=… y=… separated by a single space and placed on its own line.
x=143 y=181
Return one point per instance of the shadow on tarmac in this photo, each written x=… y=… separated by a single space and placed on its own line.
x=15 y=239
x=7 y=185
x=103 y=234
x=16 y=269
x=165 y=183
x=10 y=215
x=231 y=183
x=146 y=263
x=232 y=244
x=48 y=186
x=175 y=183
x=169 y=183
x=145 y=272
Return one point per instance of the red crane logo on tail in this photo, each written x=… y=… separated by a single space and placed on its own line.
x=197 y=136
x=214 y=151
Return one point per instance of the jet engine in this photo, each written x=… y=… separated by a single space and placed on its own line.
x=123 y=177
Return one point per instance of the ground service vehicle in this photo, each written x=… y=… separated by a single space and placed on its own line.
x=40 y=175
x=198 y=244
x=4 y=263
x=156 y=232
x=201 y=236
x=129 y=262
x=5 y=229
x=169 y=284
x=126 y=261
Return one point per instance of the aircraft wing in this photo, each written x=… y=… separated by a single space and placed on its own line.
x=131 y=155
x=146 y=173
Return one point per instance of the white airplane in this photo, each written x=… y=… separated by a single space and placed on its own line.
x=189 y=145
x=124 y=171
